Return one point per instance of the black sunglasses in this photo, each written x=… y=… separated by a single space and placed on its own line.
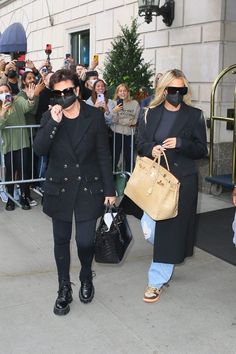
x=173 y=90
x=66 y=92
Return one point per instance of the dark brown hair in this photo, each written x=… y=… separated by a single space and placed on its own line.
x=94 y=94
x=63 y=75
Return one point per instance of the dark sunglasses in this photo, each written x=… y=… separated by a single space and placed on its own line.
x=66 y=92
x=173 y=90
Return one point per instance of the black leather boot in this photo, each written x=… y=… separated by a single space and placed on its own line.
x=24 y=202
x=64 y=298
x=10 y=205
x=87 y=291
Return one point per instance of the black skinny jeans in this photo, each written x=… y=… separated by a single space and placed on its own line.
x=85 y=237
x=17 y=165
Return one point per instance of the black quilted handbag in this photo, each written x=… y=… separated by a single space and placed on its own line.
x=110 y=245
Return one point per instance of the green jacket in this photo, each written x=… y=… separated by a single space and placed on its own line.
x=14 y=139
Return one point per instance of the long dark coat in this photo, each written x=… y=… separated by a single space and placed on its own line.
x=174 y=238
x=77 y=179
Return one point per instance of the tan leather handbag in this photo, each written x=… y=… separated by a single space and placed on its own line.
x=154 y=188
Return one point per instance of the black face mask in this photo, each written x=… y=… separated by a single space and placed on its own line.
x=64 y=101
x=12 y=74
x=174 y=99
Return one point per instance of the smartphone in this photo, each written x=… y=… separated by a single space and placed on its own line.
x=8 y=98
x=44 y=70
x=20 y=64
x=5 y=97
x=48 y=49
x=100 y=97
x=120 y=101
x=2 y=97
x=96 y=57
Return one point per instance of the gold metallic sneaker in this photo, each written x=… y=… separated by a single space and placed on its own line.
x=152 y=294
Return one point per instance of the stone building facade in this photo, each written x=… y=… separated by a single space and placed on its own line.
x=201 y=41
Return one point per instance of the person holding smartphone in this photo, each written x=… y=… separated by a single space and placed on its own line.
x=16 y=143
x=124 y=117
x=10 y=77
x=100 y=100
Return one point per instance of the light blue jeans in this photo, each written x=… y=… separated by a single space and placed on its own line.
x=159 y=273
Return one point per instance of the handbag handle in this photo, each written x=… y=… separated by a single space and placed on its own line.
x=109 y=209
x=158 y=160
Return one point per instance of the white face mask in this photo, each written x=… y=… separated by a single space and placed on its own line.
x=92 y=82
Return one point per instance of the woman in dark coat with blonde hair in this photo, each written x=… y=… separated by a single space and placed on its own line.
x=173 y=125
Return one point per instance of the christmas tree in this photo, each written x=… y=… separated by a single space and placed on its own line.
x=124 y=63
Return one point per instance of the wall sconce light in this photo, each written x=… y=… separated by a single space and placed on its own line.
x=149 y=8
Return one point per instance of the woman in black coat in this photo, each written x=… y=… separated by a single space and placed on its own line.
x=171 y=124
x=79 y=180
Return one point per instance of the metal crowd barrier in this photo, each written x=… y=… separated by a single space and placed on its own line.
x=122 y=171
x=18 y=179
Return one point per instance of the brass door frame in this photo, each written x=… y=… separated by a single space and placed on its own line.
x=213 y=118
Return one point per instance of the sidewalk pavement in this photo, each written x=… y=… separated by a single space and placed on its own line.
x=196 y=313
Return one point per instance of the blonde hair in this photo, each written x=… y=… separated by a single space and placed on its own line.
x=117 y=89
x=164 y=82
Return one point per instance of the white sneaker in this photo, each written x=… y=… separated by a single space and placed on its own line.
x=32 y=202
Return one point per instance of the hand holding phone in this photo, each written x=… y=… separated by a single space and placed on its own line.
x=96 y=58
x=100 y=97
x=120 y=102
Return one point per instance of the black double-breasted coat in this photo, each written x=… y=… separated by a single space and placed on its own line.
x=174 y=238
x=78 y=177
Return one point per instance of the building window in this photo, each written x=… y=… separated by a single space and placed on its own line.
x=80 y=47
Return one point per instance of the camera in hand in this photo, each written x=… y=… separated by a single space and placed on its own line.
x=48 y=51
x=6 y=97
x=120 y=101
x=100 y=97
x=20 y=64
x=44 y=70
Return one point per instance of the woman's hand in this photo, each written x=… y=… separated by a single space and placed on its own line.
x=30 y=91
x=10 y=66
x=39 y=87
x=169 y=143
x=99 y=104
x=118 y=108
x=110 y=200
x=157 y=151
x=5 y=108
x=234 y=196
x=56 y=113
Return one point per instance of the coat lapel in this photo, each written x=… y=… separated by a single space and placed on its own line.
x=84 y=123
x=154 y=118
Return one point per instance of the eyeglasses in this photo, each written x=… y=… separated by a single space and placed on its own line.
x=173 y=90
x=66 y=92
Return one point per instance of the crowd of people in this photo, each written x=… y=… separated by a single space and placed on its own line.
x=120 y=113
x=80 y=125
